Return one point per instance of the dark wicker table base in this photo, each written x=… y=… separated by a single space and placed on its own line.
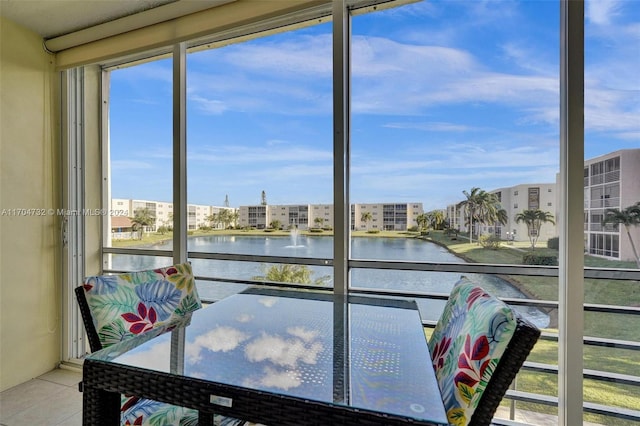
x=103 y=383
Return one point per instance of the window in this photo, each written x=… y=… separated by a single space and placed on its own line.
x=139 y=169
x=260 y=138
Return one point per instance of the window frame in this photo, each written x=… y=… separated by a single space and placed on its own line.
x=572 y=177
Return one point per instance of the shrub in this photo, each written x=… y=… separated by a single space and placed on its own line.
x=316 y=230
x=489 y=241
x=553 y=243
x=539 y=259
x=413 y=229
x=373 y=231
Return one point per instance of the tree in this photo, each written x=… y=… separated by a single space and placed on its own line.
x=275 y=224
x=423 y=221
x=225 y=216
x=212 y=219
x=629 y=217
x=319 y=221
x=235 y=216
x=300 y=274
x=226 y=200
x=263 y=198
x=366 y=217
x=534 y=220
x=480 y=207
x=435 y=219
x=142 y=218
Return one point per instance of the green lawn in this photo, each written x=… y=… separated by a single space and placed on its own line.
x=609 y=325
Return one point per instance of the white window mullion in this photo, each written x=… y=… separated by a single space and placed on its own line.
x=179 y=154
x=341 y=101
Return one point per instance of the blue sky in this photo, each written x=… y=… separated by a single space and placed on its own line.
x=446 y=95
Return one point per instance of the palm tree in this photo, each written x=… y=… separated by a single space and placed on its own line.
x=422 y=220
x=299 y=274
x=437 y=219
x=480 y=206
x=319 y=221
x=142 y=218
x=366 y=217
x=469 y=206
x=629 y=217
x=534 y=220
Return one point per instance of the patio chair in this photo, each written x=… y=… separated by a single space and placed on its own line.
x=477 y=348
x=117 y=307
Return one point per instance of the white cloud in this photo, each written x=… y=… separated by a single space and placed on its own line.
x=303 y=333
x=275 y=378
x=281 y=153
x=431 y=126
x=602 y=12
x=220 y=339
x=268 y=302
x=209 y=106
x=152 y=357
x=282 y=352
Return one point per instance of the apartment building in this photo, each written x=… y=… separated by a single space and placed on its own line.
x=513 y=200
x=611 y=181
x=384 y=216
x=197 y=215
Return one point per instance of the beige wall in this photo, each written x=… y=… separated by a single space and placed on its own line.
x=29 y=159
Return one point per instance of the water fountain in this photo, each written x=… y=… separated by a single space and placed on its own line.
x=294 y=237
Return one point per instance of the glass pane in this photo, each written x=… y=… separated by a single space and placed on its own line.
x=455 y=156
x=140 y=155
x=260 y=150
x=457 y=130
x=612 y=196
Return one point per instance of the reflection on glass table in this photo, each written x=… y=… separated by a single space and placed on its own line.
x=280 y=357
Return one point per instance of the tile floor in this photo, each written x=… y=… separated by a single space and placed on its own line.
x=49 y=400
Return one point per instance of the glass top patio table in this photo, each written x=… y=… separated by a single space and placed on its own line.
x=308 y=354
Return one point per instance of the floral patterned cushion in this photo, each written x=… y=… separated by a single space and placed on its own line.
x=466 y=345
x=125 y=305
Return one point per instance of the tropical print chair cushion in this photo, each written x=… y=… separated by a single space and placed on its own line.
x=125 y=305
x=466 y=345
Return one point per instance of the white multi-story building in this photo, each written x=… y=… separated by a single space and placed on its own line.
x=513 y=200
x=611 y=181
x=197 y=215
x=384 y=216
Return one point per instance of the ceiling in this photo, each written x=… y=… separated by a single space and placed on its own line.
x=52 y=18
